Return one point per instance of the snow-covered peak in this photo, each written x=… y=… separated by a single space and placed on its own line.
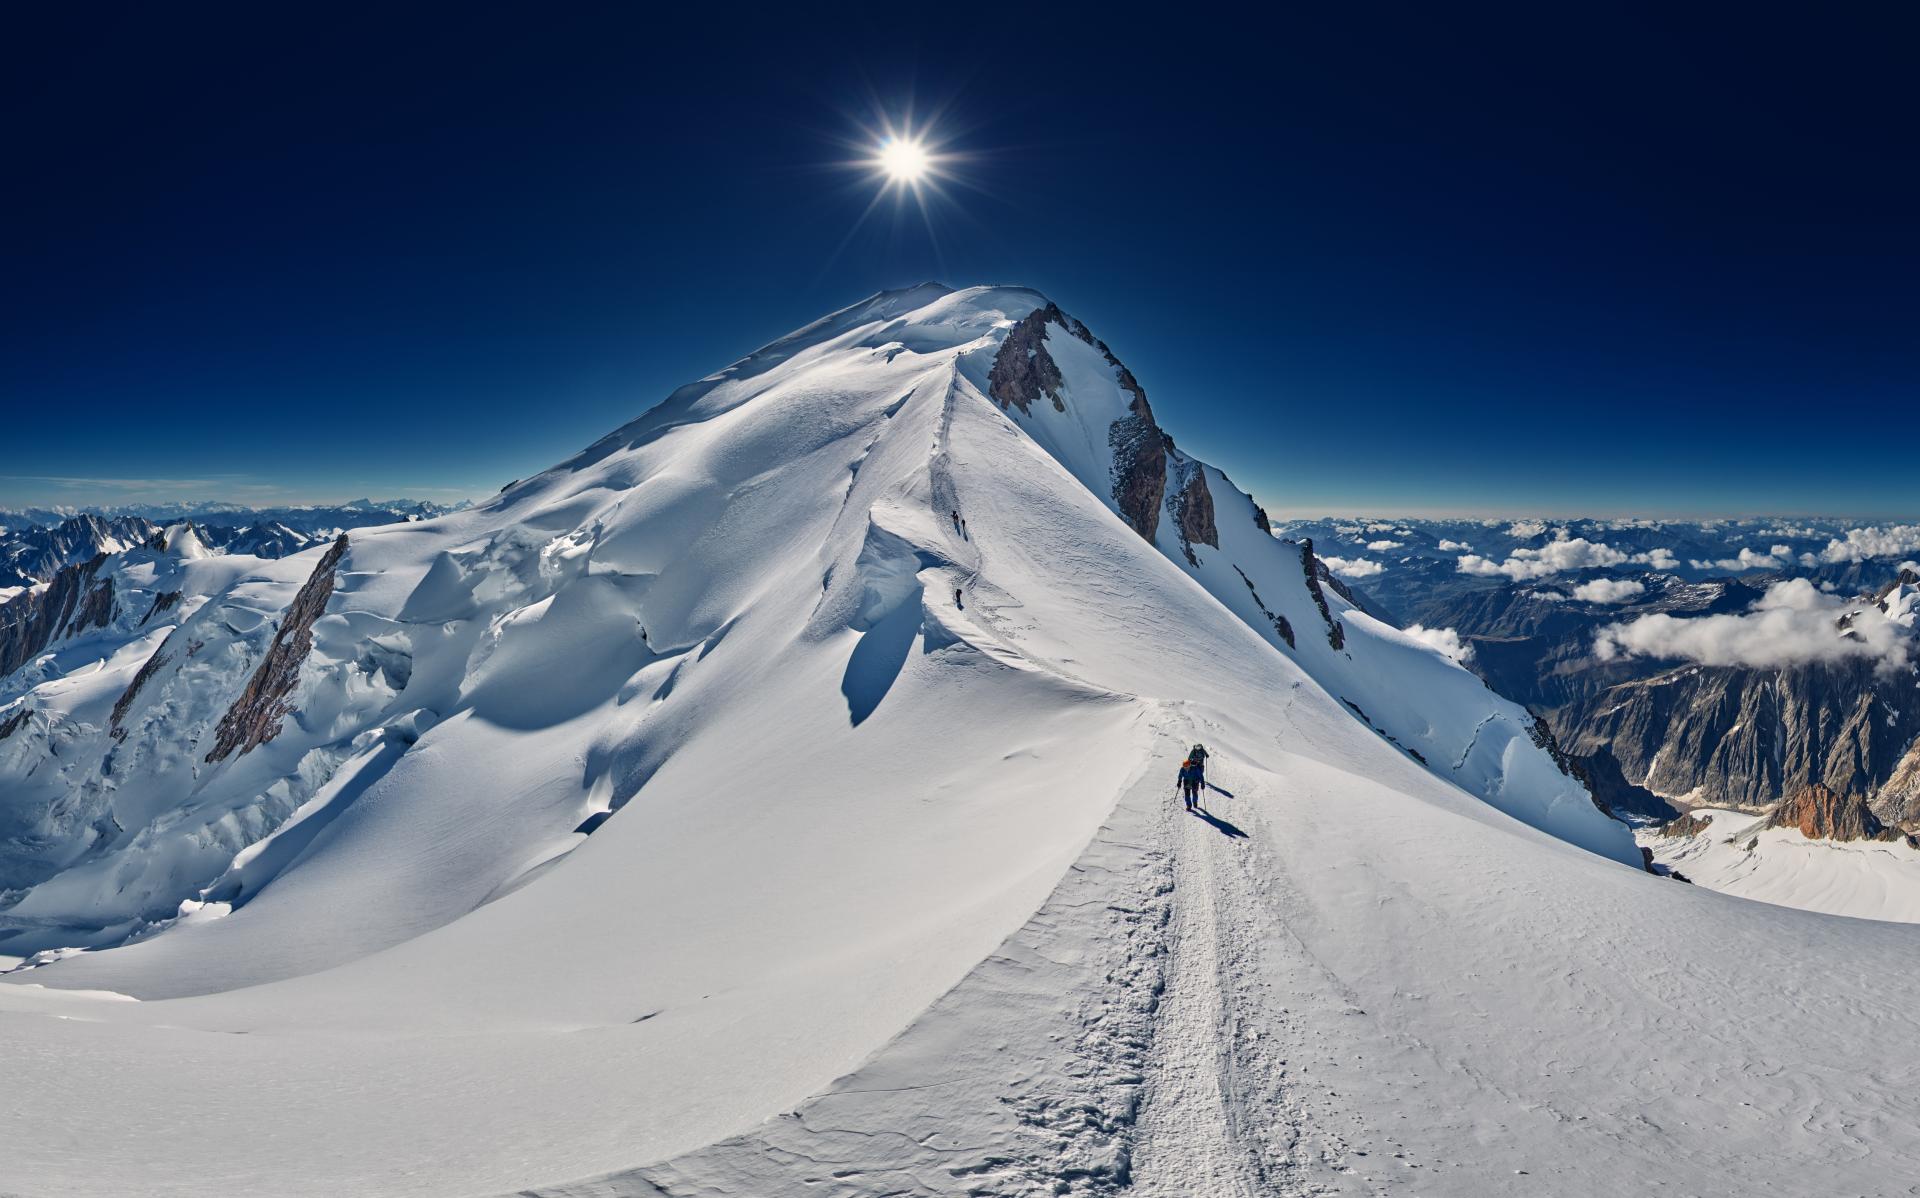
x=182 y=542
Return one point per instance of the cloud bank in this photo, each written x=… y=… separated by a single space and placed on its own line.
x=1446 y=640
x=1609 y=590
x=1899 y=540
x=1355 y=567
x=1576 y=553
x=1792 y=624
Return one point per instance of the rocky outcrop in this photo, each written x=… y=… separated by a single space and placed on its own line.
x=1191 y=506
x=255 y=716
x=1822 y=814
x=1336 y=635
x=1260 y=520
x=164 y=601
x=1139 y=471
x=1684 y=824
x=74 y=601
x=13 y=723
x=1279 y=622
x=1024 y=373
x=125 y=702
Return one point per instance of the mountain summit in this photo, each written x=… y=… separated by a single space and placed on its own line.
x=775 y=798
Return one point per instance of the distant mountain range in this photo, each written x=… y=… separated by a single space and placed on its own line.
x=305 y=517
x=1748 y=665
x=35 y=544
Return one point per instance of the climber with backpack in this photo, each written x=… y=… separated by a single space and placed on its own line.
x=1190 y=783
x=1199 y=758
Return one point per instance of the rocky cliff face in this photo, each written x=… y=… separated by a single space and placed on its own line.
x=1748 y=738
x=255 y=716
x=1315 y=571
x=1190 y=504
x=1024 y=373
x=1821 y=814
x=74 y=601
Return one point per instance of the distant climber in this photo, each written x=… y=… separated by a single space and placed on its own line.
x=1190 y=783
x=963 y=530
x=1199 y=758
x=955 y=513
x=956 y=599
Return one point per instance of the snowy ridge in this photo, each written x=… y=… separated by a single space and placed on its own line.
x=714 y=814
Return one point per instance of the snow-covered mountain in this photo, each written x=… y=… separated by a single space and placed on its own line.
x=35 y=554
x=774 y=799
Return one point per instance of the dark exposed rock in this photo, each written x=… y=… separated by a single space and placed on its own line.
x=1685 y=824
x=147 y=671
x=1603 y=778
x=1749 y=738
x=1280 y=624
x=1139 y=471
x=1260 y=520
x=255 y=716
x=73 y=601
x=12 y=723
x=1542 y=735
x=1336 y=635
x=1822 y=814
x=1024 y=372
x=1192 y=508
x=164 y=601
x=95 y=609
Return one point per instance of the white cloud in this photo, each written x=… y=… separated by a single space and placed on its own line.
x=1548 y=596
x=1455 y=546
x=1894 y=541
x=1521 y=530
x=1792 y=624
x=1609 y=590
x=1446 y=640
x=1659 y=559
x=1577 y=553
x=1354 y=567
x=1384 y=546
x=1749 y=559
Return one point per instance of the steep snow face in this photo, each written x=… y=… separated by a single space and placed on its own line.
x=671 y=784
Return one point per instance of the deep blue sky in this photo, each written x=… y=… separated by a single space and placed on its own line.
x=1539 y=259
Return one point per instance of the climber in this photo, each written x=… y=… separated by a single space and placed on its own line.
x=1190 y=783
x=956 y=599
x=1199 y=758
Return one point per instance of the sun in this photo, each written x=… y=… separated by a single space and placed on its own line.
x=904 y=160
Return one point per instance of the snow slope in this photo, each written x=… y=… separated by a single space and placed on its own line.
x=1738 y=854
x=672 y=824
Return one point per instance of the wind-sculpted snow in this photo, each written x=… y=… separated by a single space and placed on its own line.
x=771 y=799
